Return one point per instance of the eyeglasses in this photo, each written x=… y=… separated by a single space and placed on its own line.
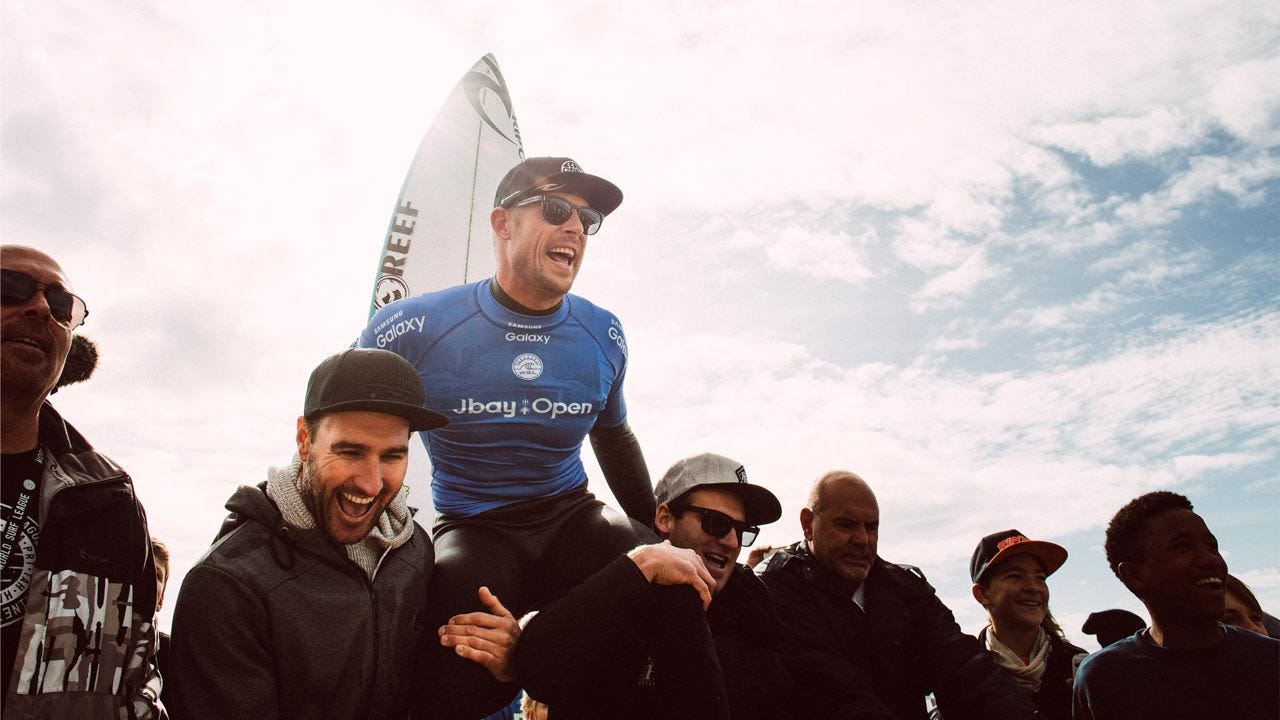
x=557 y=211
x=18 y=287
x=717 y=525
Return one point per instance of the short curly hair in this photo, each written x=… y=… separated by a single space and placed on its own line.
x=1129 y=526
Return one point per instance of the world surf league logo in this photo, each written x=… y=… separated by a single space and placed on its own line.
x=476 y=82
x=527 y=366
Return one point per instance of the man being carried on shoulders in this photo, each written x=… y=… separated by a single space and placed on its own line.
x=525 y=372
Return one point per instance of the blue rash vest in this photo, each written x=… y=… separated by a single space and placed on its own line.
x=520 y=391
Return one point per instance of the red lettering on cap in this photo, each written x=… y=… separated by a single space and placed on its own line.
x=1011 y=541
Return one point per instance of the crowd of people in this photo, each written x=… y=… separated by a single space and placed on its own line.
x=322 y=597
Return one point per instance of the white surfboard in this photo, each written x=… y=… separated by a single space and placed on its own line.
x=439 y=231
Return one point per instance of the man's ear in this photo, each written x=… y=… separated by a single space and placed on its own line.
x=304 y=440
x=806 y=523
x=664 y=520
x=1133 y=575
x=500 y=221
x=979 y=595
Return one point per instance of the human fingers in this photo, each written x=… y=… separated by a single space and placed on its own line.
x=505 y=633
x=491 y=646
x=756 y=556
x=498 y=662
x=704 y=591
x=481 y=619
x=690 y=570
x=490 y=601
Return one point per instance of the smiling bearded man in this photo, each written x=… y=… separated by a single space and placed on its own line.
x=310 y=603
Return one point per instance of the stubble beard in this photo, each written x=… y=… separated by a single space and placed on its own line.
x=307 y=489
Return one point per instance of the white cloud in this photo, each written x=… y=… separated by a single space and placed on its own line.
x=1189 y=467
x=1245 y=100
x=1267 y=578
x=950 y=287
x=827 y=256
x=1109 y=140
x=1240 y=178
x=927 y=245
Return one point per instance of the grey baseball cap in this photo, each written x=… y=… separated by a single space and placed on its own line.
x=709 y=470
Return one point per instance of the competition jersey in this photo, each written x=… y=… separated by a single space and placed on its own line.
x=520 y=391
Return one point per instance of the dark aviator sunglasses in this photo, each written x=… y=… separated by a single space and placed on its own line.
x=557 y=211
x=18 y=287
x=717 y=525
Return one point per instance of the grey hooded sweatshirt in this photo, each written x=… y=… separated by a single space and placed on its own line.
x=277 y=621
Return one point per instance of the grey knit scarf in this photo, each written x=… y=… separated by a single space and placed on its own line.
x=393 y=528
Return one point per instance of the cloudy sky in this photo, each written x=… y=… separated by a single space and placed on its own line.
x=1014 y=263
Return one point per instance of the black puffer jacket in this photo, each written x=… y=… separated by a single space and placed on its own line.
x=277 y=622
x=748 y=641
x=881 y=664
x=618 y=647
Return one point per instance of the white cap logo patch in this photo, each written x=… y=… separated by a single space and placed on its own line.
x=569 y=166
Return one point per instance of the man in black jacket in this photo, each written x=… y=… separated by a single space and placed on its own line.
x=311 y=602
x=649 y=649
x=79 y=589
x=870 y=639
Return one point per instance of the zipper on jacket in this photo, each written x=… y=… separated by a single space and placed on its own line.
x=377 y=644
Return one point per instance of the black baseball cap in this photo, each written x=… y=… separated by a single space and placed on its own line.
x=998 y=546
x=709 y=470
x=373 y=380
x=549 y=174
x=1112 y=625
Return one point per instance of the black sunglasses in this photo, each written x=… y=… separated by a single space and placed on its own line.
x=717 y=524
x=18 y=287
x=557 y=211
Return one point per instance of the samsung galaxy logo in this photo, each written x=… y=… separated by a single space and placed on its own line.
x=528 y=337
x=616 y=336
x=395 y=330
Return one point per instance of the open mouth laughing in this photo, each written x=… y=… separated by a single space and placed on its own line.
x=1212 y=582
x=715 y=562
x=353 y=505
x=563 y=255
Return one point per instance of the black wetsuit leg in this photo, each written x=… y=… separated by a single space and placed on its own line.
x=527 y=554
x=593 y=537
x=468 y=555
